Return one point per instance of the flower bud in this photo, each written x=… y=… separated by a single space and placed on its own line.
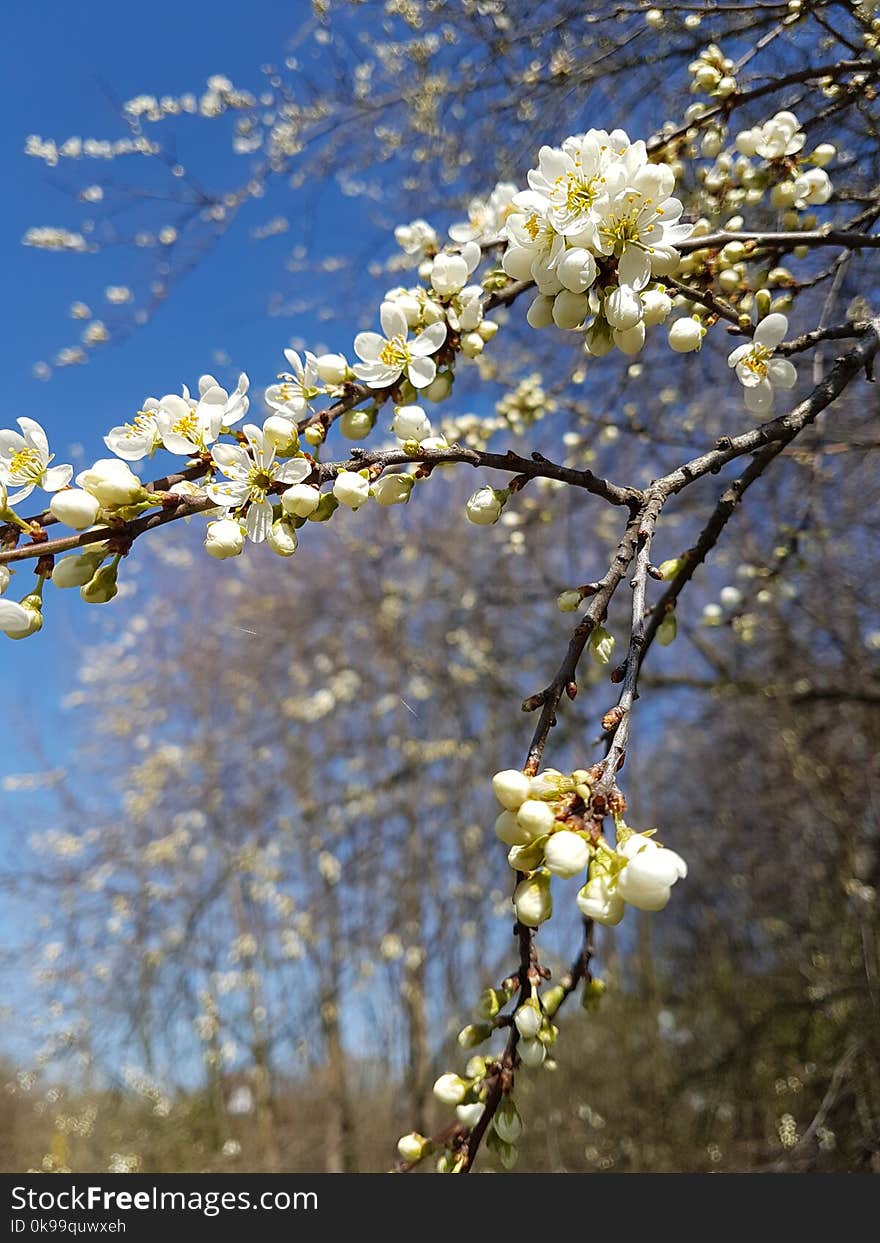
x=332 y=368
x=528 y=1020
x=314 y=435
x=75 y=508
x=629 y=340
x=351 y=488
x=474 y=1034
x=282 y=538
x=528 y=856
x=532 y=1053
x=598 y=901
x=356 y=424
x=570 y=309
x=668 y=629
x=410 y=423
x=101 y=587
x=508 y=831
x=569 y=601
x=20 y=621
x=552 y=999
x=647 y=879
x=449 y=274
x=413 y=1147
x=623 y=308
x=686 y=335
x=511 y=788
x=532 y=900
x=224 y=538
x=492 y=1001
x=485 y=505
x=450 y=1089
x=112 y=483
x=440 y=387
x=566 y=853
x=576 y=270
x=507 y=1122
x=601 y=645
x=469 y=1115
x=5 y=578
x=472 y=344
x=592 y=994
x=824 y=154
x=487 y=329
x=392 y=489
x=535 y=818
x=548 y=784
x=540 y=313
x=671 y=569
x=281 y=433
x=75 y=571
x=300 y=500
x=656 y=306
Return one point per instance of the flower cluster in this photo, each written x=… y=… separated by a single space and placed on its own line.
x=548 y=825
x=596 y=231
x=596 y=226
x=552 y=826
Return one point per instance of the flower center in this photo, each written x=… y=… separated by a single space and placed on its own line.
x=580 y=192
x=187 y=426
x=756 y=360
x=394 y=353
x=26 y=466
x=259 y=482
x=622 y=231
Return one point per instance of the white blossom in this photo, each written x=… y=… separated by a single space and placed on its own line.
x=292 y=395
x=386 y=358
x=24 y=462
x=756 y=368
x=251 y=472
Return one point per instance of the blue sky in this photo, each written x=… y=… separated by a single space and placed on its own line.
x=58 y=63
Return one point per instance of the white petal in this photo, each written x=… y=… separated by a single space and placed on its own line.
x=297 y=470
x=34 y=435
x=393 y=320
x=376 y=375
x=738 y=353
x=14 y=620
x=229 y=494
x=11 y=442
x=259 y=521
x=56 y=477
x=368 y=346
x=759 y=400
x=634 y=268
x=782 y=373
x=421 y=372
x=429 y=340
x=771 y=330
